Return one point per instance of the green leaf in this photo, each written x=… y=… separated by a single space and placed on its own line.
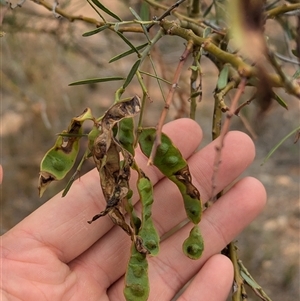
x=135 y=14
x=131 y=74
x=140 y=19
x=123 y=54
x=106 y=10
x=250 y=281
x=296 y=74
x=280 y=101
x=208 y=9
x=99 y=29
x=278 y=144
x=207 y=31
x=156 y=77
x=145 y=11
x=128 y=42
x=96 y=10
x=223 y=78
x=96 y=80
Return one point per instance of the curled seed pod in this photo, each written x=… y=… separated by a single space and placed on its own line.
x=59 y=160
x=136 y=277
x=170 y=162
x=147 y=231
x=193 y=246
x=114 y=174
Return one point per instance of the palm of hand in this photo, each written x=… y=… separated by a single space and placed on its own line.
x=55 y=255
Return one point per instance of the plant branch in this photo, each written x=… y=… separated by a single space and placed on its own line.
x=168 y=102
x=166 y=13
x=85 y=19
x=178 y=15
x=195 y=87
x=244 y=69
x=223 y=132
x=239 y=292
x=289 y=85
x=251 y=282
x=279 y=10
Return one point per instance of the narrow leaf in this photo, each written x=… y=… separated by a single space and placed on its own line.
x=135 y=14
x=145 y=11
x=140 y=19
x=278 y=144
x=208 y=9
x=128 y=42
x=296 y=74
x=223 y=78
x=250 y=281
x=96 y=80
x=131 y=74
x=280 y=101
x=96 y=10
x=207 y=31
x=156 y=77
x=123 y=54
x=99 y=29
x=106 y=10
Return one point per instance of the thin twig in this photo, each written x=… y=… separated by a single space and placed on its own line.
x=168 y=102
x=288 y=83
x=223 y=133
x=166 y=13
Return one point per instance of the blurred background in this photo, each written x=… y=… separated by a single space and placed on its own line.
x=41 y=55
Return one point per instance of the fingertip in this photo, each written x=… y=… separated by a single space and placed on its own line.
x=241 y=142
x=184 y=127
x=213 y=281
x=224 y=265
x=258 y=191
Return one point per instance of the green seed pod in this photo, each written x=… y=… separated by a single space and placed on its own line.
x=170 y=162
x=59 y=160
x=93 y=134
x=147 y=231
x=168 y=157
x=126 y=135
x=193 y=246
x=134 y=219
x=136 y=277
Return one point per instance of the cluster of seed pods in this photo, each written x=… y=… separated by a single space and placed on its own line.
x=112 y=145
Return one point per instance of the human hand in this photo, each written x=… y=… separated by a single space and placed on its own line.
x=54 y=254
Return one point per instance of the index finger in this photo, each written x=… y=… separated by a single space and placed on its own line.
x=62 y=222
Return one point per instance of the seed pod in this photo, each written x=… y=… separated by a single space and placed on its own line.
x=59 y=160
x=170 y=162
x=193 y=246
x=136 y=277
x=168 y=158
x=114 y=174
x=147 y=231
x=126 y=135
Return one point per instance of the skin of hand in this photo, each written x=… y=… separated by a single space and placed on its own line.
x=54 y=254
